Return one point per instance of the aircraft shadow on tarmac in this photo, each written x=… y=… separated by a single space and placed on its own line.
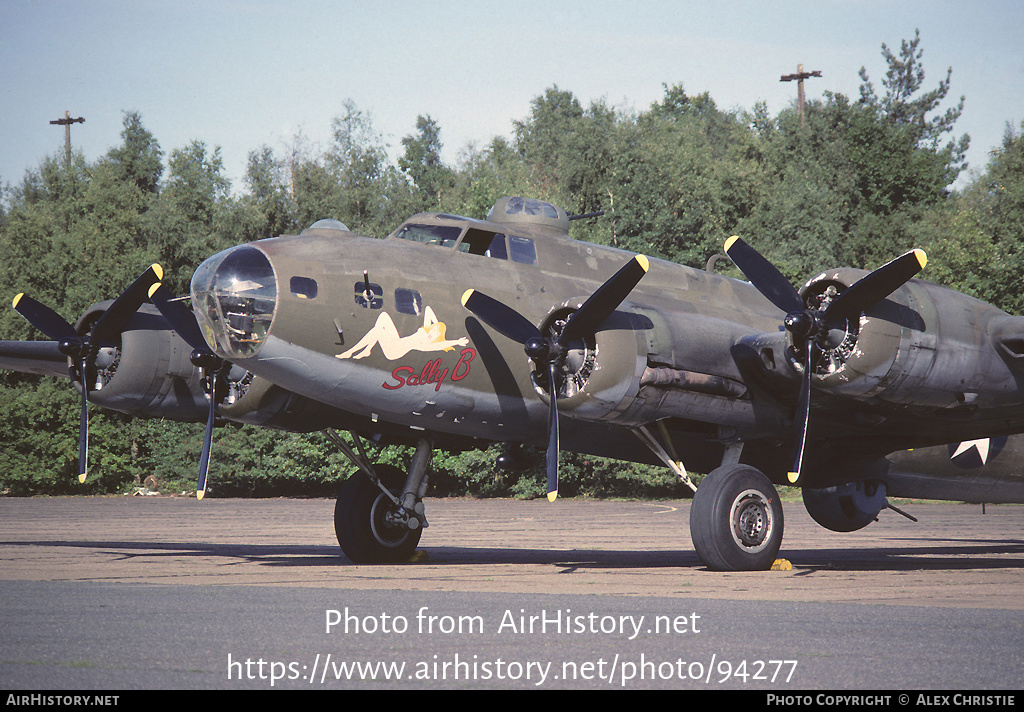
x=917 y=555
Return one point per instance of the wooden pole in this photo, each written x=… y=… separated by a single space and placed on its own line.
x=799 y=78
x=66 y=123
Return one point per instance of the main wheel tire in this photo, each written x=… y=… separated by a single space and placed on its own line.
x=736 y=520
x=361 y=524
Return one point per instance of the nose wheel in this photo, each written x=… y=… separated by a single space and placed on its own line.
x=370 y=527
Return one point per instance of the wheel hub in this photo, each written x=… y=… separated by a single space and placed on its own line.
x=751 y=519
x=387 y=524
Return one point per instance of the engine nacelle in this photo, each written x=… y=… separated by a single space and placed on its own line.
x=150 y=374
x=924 y=345
x=602 y=372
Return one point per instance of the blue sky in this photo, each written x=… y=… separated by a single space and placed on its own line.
x=240 y=74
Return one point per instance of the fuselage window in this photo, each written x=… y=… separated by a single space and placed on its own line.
x=444 y=235
x=303 y=287
x=408 y=301
x=522 y=249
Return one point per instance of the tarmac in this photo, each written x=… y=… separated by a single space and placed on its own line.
x=138 y=592
x=955 y=555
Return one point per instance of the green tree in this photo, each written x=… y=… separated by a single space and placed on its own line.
x=682 y=175
x=269 y=194
x=568 y=149
x=186 y=224
x=994 y=204
x=485 y=175
x=422 y=163
x=73 y=237
x=903 y=105
x=852 y=183
x=353 y=181
x=138 y=160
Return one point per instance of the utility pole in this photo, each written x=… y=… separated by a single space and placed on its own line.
x=66 y=123
x=799 y=77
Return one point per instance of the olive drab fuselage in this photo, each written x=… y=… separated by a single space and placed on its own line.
x=376 y=329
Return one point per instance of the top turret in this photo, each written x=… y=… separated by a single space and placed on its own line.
x=528 y=213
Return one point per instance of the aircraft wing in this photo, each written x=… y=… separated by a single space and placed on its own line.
x=39 y=357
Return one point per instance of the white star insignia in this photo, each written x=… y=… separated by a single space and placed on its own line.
x=980 y=445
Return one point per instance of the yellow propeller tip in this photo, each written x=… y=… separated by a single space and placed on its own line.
x=730 y=241
x=793 y=476
x=17 y=298
x=643 y=262
x=81 y=478
x=200 y=493
x=922 y=258
x=552 y=496
x=159 y=271
x=466 y=295
x=153 y=289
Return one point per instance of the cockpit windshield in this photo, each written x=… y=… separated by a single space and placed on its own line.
x=475 y=241
x=444 y=235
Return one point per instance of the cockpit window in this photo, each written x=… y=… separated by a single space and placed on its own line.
x=484 y=242
x=476 y=240
x=444 y=235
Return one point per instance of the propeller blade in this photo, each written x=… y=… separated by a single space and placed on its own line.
x=876 y=286
x=83 y=423
x=204 y=457
x=585 y=320
x=763 y=275
x=551 y=457
x=803 y=411
x=808 y=324
x=43 y=318
x=115 y=318
x=605 y=300
x=104 y=332
x=183 y=321
x=503 y=319
x=180 y=317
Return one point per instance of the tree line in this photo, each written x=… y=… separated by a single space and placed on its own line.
x=847 y=182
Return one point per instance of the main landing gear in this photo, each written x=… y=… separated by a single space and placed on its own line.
x=736 y=516
x=379 y=515
x=736 y=520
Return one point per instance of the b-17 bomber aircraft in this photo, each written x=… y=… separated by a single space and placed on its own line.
x=457 y=332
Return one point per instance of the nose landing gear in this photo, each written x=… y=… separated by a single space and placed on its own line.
x=370 y=527
x=379 y=516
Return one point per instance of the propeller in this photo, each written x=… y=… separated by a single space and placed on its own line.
x=811 y=325
x=183 y=321
x=84 y=348
x=549 y=352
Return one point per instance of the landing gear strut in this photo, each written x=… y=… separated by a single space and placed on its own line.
x=379 y=515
